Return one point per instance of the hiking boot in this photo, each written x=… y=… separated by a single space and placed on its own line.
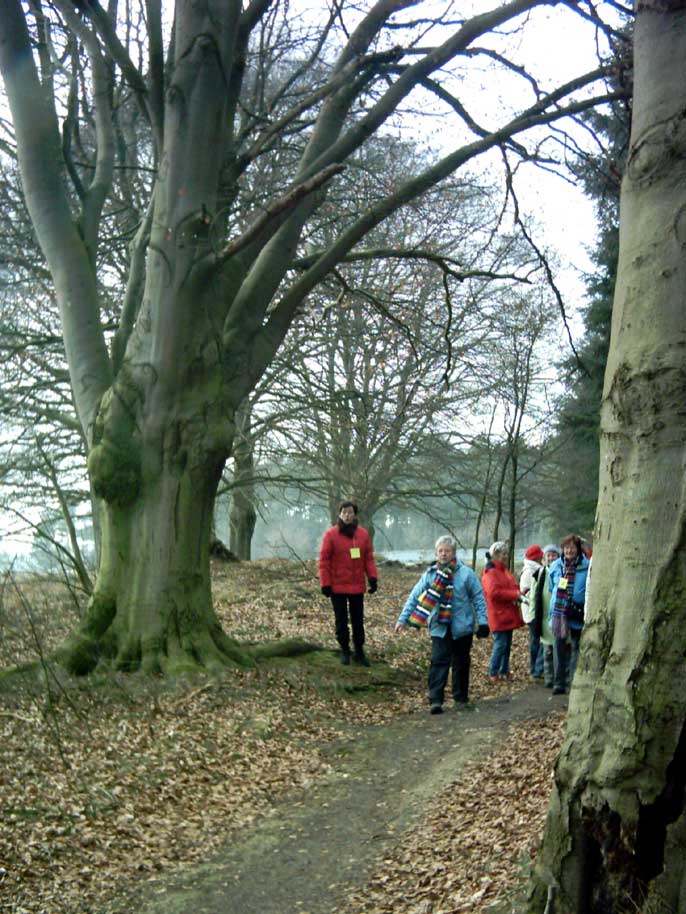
x=436 y=709
x=559 y=691
x=361 y=658
x=494 y=678
x=345 y=658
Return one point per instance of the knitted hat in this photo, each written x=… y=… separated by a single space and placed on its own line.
x=535 y=553
x=552 y=547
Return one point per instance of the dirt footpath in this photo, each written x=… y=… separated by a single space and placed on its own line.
x=320 y=844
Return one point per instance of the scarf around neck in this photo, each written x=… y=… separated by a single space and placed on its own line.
x=438 y=593
x=347 y=529
x=563 y=598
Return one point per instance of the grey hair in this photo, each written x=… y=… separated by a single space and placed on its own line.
x=499 y=546
x=446 y=540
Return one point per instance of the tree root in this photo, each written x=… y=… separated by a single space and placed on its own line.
x=291 y=647
x=209 y=651
x=79 y=655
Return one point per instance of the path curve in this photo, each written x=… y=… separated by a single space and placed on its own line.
x=320 y=844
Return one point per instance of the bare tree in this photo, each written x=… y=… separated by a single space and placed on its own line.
x=209 y=289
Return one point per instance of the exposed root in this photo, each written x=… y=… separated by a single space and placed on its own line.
x=229 y=647
x=291 y=647
x=207 y=650
x=79 y=655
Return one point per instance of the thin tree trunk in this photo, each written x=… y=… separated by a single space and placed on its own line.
x=513 y=507
x=484 y=493
x=243 y=514
x=243 y=521
x=500 y=498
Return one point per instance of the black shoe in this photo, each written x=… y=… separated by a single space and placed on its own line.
x=436 y=709
x=558 y=691
x=345 y=658
x=361 y=658
x=461 y=703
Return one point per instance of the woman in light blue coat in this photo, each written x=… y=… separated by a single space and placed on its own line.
x=448 y=600
x=567 y=585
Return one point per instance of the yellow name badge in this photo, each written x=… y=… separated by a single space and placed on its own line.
x=355 y=552
x=563 y=584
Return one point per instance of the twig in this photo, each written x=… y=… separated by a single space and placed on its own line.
x=24 y=720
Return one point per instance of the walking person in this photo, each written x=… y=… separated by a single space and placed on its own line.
x=448 y=600
x=345 y=558
x=532 y=565
x=502 y=599
x=567 y=585
x=539 y=598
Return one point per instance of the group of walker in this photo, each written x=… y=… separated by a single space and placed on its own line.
x=450 y=602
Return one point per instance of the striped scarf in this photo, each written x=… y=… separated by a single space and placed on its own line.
x=560 y=620
x=438 y=593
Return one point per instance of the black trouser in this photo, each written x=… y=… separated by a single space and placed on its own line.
x=447 y=651
x=341 y=603
x=566 y=656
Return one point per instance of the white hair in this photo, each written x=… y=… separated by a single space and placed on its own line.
x=446 y=540
x=498 y=546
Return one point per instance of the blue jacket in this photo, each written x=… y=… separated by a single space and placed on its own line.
x=468 y=600
x=579 y=592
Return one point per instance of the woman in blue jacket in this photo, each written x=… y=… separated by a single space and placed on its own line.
x=449 y=600
x=567 y=585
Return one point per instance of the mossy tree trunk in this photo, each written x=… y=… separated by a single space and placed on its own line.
x=152 y=607
x=615 y=838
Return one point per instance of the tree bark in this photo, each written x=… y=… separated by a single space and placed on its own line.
x=615 y=837
x=243 y=521
x=152 y=605
x=243 y=514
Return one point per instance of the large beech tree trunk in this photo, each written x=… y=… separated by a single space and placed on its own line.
x=152 y=605
x=615 y=838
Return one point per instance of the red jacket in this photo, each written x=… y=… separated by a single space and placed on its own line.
x=501 y=592
x=343 y=561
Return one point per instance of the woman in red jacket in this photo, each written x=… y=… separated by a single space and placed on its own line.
x=345 y=557
x=502 y=601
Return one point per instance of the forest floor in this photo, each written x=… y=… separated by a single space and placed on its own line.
x=295 y=787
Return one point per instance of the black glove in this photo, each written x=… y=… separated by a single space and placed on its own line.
x=373 y=585
x=326 y=590
x=483 y=631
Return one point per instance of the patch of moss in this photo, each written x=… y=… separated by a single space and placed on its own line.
x=79 y=655
x=16 y=676
x=100 y=615
x=115 y=471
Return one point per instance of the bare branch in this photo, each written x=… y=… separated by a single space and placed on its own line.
x=270 y=218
